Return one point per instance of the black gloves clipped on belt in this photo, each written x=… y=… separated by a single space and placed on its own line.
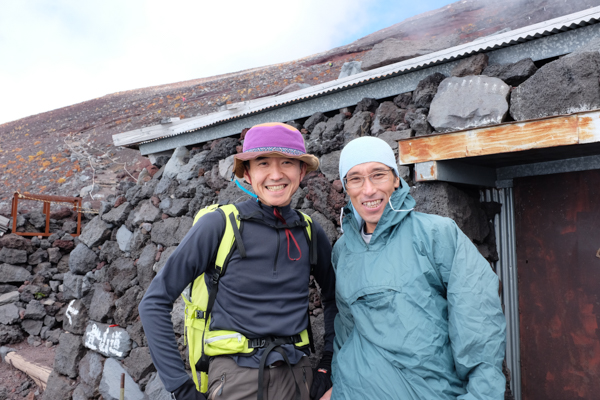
x=322 y=377
x=188 y=391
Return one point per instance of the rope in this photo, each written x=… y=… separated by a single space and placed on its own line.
x=77 y=208
x=288 y=234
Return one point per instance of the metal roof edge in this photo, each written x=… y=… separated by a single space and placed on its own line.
x=487 y=43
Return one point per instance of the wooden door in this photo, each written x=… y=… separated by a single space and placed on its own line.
x=557 y=221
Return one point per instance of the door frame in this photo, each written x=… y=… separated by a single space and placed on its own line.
x=506 y=266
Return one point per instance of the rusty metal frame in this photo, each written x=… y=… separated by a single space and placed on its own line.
x=47 y=200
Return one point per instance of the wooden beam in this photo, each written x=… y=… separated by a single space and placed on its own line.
x=589 y=128
x=39 y=373
x=506 y=138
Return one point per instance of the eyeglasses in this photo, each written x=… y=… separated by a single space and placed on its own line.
x=376 y=178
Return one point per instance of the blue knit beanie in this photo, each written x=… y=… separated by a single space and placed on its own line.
x=366 y=149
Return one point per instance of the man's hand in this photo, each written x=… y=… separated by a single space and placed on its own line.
x=327 y=395
x=321 y=377
x=188 y=391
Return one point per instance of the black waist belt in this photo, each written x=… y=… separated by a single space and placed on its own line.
x=258 y=343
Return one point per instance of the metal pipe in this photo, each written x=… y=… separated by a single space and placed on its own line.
x=512 y=290
x=15 y=200
x=122 y=397
x=506 y=268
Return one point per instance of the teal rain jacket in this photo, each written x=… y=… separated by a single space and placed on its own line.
x=419 y=312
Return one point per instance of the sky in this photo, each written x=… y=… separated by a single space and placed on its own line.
x=55 y=53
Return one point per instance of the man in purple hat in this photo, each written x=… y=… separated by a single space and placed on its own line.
x=264 y=295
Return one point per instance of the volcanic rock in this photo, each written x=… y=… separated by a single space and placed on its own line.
x=564 y=86
x=469 y=102
x=13 y=256
x=11 y=273
x=512 y=74
x=387 y=116
x=82 y=260
x=473 y=65
x=102 y=305
x=350 y=68
x=68 y=353
x=426 y=89
x=95 y=232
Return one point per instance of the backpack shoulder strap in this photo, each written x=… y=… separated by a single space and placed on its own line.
x=231 y=236
x=310 y=234
x=205 y=211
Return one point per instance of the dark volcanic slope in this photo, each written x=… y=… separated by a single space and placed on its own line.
x=61 y=151
x=468 y=20
x=45 y=153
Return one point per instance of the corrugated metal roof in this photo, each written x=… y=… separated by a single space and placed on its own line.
x=239 y=110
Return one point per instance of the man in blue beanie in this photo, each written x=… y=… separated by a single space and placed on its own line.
x=419 y=312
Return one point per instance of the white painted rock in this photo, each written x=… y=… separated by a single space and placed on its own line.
x=108 y=341
x=468 y=102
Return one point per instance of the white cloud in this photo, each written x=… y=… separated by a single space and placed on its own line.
x=61 y=53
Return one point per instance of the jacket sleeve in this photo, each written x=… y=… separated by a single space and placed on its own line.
x=325 y=276
x=344 y=322
x=186 y=263
x=476 y=324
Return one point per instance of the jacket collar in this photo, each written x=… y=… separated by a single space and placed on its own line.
x=266 y=212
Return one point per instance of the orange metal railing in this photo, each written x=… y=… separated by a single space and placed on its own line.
x=47 y=200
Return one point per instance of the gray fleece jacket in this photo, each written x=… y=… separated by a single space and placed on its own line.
x=264 y=294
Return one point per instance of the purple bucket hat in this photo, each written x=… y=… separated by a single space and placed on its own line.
x=273 y=139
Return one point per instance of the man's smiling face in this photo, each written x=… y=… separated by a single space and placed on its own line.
x=369 y=200
x=275 y=179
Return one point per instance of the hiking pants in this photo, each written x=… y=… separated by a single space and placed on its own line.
x=228 y=381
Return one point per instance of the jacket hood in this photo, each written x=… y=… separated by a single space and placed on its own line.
x=400 y=199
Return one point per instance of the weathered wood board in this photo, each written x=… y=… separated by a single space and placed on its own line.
x=39 y=373
x=568 y=130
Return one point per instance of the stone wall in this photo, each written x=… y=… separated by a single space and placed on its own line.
x=81 y=294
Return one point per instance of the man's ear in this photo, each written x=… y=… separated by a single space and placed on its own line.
x=247 y=174
x=303 y=167
x=397 y=183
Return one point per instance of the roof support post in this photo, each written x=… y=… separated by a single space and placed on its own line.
x=455 y=172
